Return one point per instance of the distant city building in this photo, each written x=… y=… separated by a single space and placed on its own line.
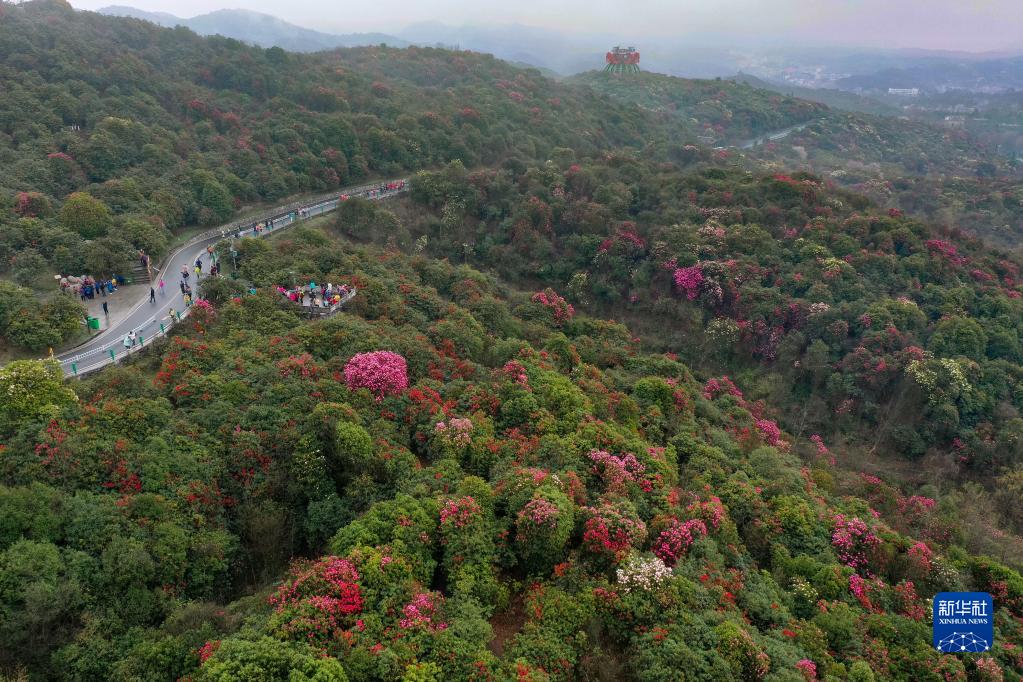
x=908 y=92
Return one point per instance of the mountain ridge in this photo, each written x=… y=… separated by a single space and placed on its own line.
x=264 y=30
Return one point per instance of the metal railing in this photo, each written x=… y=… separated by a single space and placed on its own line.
x=281 y=217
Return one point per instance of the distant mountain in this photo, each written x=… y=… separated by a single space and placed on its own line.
x=257 y=29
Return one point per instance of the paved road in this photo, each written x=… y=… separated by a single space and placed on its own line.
x=768 y=137
x=151 y=320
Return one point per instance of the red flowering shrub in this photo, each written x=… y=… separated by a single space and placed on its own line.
x=207 y=650
x=318 y=601
x=611 y=531
x=459 y=513
x=561 y=310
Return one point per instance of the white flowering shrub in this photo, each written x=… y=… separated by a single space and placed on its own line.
x=642 y=574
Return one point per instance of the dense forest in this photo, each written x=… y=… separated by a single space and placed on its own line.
x=607 y=405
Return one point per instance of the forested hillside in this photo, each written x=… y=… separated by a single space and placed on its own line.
x=114 y=133
x=725 y=112
x=799 y=424
x=946 y=175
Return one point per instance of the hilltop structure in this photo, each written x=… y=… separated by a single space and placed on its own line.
x=622 y=60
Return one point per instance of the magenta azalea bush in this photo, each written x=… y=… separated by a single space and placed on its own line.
x=382 y=372
x=852 y=540
x=675 y=540
x=688 y=280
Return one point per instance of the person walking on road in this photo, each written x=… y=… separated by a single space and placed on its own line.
x=105 y=310
x=172 y=315
x=161 y=286
x=127 y=342
x=133 y=335
x=152 y=295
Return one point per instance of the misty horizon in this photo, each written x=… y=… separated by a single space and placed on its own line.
x=994 y=26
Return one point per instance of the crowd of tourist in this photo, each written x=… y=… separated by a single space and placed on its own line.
x=87 y=287
x=316 y=295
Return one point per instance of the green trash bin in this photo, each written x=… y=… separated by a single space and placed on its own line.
x=93 y=323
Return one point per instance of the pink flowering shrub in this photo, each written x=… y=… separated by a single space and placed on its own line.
x=859 y=588
x=382 y=372
x=988 y=670
x=688 y=280
x=542 y=529
x=946 y=250
x=675 y=540
x=711 y=513
x=722 y=386
x=769 y=430
x=459 y=513
x=421 y=613
x=559 y=307
x=808 y=668
x=538 y=513
x=921 y=558
x=616 y=470
x=31 y=205
x=610 y=532
x=852 y=539
x=455 y=433
x=517 y=372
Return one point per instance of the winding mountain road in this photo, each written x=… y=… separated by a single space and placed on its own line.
x=770 y=137
x=150 y=320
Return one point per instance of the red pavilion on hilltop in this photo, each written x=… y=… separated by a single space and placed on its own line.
x=622 y=60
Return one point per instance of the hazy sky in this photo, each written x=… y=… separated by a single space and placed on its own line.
x=976 y=25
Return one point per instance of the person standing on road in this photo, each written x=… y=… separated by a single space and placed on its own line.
x=172 y=314
x=127 y=342
x=105 y=311
x=133 y=336
x=152 y=295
